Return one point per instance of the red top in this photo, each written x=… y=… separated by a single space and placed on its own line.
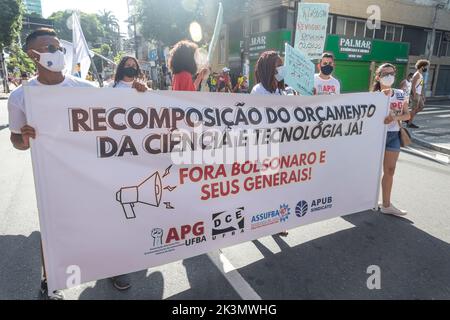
x=183 y=82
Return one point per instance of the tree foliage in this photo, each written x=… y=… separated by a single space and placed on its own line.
x=18 y=58
x=11 y=21
x=93 y=30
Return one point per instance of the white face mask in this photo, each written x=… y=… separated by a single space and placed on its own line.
x=279 y=76
x=387 y=81
x=52 y=61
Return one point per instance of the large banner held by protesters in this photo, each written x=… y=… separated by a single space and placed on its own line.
x=126 y=180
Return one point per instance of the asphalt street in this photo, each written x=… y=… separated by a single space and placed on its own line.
x=325 y=260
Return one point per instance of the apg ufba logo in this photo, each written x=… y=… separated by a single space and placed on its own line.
x=228 y=223
x=185 y=235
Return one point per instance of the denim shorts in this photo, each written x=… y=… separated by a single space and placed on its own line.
x=393 y=141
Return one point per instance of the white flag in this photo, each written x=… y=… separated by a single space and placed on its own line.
x=81 y=61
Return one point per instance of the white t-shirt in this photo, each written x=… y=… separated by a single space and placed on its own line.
x=408 y=88
x=330 y=86
x=259 y=89
x=122 y=84
x=419 y=85
x=16 y=101
x=396 y=107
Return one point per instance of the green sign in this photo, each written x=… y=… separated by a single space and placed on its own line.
x=273 y=40
x=364 y=49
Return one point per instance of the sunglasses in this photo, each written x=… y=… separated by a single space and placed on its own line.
x=52 y=48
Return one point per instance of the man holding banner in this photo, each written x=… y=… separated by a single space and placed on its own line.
x=45 y=49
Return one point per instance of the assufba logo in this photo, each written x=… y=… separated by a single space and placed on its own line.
x=175 y=237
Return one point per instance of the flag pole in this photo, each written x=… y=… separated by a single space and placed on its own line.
x=100 y=80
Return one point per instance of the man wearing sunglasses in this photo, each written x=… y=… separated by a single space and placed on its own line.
x=44 y=48
x=324 y=82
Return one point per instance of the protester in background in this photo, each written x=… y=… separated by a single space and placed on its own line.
x=385 y=77
x=406 y=85
x=224 y=81
x=183 y=67
x=212 y=82
x=269 y=74
x=418 y=91
x=324 y=82
x=44 y=48
x=23 y=77
x=127 y=75
x=241 y=86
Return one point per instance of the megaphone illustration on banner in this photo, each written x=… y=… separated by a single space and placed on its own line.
x=149 y=192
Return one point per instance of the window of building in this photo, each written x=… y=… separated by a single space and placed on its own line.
x=264 y=24
x=254 y=26
x=340 y=25
x=380 y=33
x=398 y=33
x=444 y=49
x=417 y=39
x=390 y=30
x=350 y=28
x=437 y=43
x=330 y=24
x=360 y=28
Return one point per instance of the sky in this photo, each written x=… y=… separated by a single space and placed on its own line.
x=117 y=7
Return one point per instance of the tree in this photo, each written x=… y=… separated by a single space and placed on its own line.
x=18 y=58
x=112 y=29
x=104 y=50
x=90 y=23
x=11 y=23
x=166 y=21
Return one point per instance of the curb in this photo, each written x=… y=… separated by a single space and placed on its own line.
x=438 y=98
x=429 y=145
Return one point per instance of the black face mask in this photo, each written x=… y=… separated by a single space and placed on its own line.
x=130 y=72
x=326 y=70
x=424 y=70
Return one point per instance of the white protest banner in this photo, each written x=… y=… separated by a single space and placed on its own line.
x=299 y=71
x=311 y=28
x=118 y=189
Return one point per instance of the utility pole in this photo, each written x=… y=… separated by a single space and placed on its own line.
x=430 y=47
x=133 y=16
x=295 y=23
x=4 y=71
x=246 y=62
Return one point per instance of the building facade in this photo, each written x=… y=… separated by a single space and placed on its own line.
x=404 y=36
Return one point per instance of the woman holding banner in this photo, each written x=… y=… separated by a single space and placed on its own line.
x=269 y=80
x=385 y=77
x=183 y=66
x=127 y=74
x=269 y=74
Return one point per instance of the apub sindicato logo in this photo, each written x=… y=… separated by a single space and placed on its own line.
x=175 y=237
x=228 y=223
x=302 y=208
x=271 y=217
